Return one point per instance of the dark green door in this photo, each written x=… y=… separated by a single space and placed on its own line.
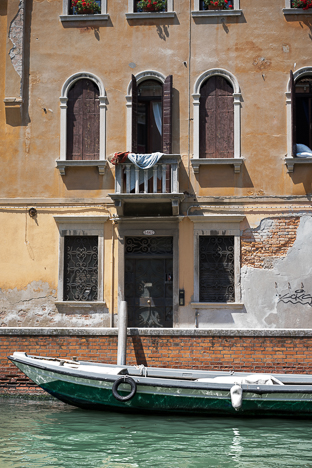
x=148 y=281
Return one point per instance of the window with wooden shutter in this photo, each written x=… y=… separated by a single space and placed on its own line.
x=83 y=121
x=152 y=116
x=216 y=117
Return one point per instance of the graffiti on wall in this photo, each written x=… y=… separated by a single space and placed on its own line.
x=297 y=297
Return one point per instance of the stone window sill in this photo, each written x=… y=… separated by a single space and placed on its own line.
x=153 y=15
x=297 y=11
x=236 y=162
x=217 y=305
x=99 y=17
x=81 y=307
x=62 y=165
x=290 y=162
x=220 y=13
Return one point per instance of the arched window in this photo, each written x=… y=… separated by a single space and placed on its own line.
x=83 y=118
x=83 y=121
x=150 y=113
x=216 y=119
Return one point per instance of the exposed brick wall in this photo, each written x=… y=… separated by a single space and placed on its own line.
x=254 y=354
x=271 y=240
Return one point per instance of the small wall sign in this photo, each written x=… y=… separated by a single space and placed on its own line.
x=148 y=232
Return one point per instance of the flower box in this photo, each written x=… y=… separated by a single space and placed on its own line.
x=85 y=7
x=304 y=4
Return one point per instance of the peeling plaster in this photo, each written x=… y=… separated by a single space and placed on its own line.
x=16 y=35
x=263 y=288
x=34 y=306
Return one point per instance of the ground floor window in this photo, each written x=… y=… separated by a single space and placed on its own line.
x=80 y=268
x=216 y=269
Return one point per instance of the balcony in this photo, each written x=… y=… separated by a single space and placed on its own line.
x=150 y=192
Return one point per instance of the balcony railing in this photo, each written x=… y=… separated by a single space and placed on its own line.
x=161 y=178
x=158 y=185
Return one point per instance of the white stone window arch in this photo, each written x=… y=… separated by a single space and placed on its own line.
x=237 y=108
x=63 y=105
x=142 y=76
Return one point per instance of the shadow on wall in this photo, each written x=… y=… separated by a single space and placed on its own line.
x=302 y=176
x=88 y=178
x=223 y=176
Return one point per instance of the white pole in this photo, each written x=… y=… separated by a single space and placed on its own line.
x=122 y=334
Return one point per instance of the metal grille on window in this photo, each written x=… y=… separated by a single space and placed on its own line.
x=81 y=268
x=216 y=269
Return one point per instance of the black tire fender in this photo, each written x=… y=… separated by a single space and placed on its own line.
x=120 y=381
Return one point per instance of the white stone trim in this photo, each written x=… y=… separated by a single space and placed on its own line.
x=197 y=12
x=63 y=118
x=66 y=8
x=81 y=226
x=131 y=14
x=142 y=76
x=217 y=305
x=218 y=225
x=90 y=331
x=237 y=108
x=301 y=72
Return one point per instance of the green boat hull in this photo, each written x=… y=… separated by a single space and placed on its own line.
x=168 y=396
x=99 y=398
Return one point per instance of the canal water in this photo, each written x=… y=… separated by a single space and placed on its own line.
x=41 y=434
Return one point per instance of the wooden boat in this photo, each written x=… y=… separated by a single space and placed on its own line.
x=106 y=387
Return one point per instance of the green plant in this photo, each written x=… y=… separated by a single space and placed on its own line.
x=152 y=5
x=86 y=6
x=224 y=4
x=304 y=4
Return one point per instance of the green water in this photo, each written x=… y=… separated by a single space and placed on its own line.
x=40 y=434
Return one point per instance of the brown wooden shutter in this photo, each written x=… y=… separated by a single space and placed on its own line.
x=167 y=116
x=134 y=148
x=293 y=115
x=83 y=121
x=216 y=115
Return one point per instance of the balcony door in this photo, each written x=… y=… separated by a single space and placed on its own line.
x=149 y=281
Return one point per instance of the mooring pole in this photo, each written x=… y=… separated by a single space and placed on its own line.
x=122 y=334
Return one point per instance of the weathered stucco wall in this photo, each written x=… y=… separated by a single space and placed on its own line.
x=259 y=48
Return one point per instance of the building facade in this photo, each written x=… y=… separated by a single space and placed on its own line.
x=211 y=245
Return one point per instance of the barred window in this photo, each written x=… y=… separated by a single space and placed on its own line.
x=216 y=269
x=81 y=268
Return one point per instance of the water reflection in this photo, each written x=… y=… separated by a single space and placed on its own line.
x=43 y=434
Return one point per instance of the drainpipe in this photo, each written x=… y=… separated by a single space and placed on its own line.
x=122 y=333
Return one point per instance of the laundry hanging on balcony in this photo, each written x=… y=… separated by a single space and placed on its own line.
x=145 y=162
x=118 y=158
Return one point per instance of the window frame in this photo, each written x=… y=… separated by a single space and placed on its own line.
x=131 y=14
x=140 y=77
x=290 y=159
x=66 y=16
x=80 y=226
x=196 y=161
x=197 y=12
x=217 y=225
x=288 y=10
x=101 y=162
